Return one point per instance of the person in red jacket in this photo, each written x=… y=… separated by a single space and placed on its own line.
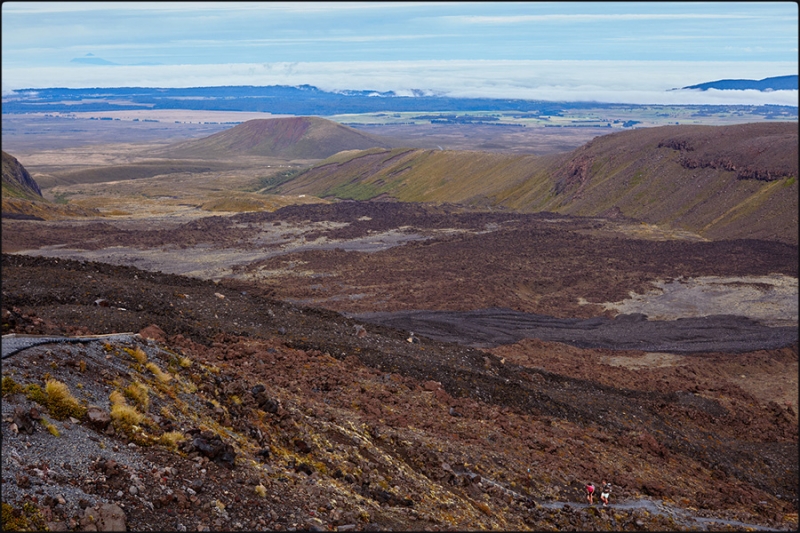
x=590 y=493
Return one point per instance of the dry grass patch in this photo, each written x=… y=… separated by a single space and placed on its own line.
x=123 y=416
x=61 y=402
x=138 y=354
x=171 y=439
x=50 y=427
x=160 y=375
x=138 y=394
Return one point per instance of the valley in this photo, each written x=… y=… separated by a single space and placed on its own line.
x=461 y=324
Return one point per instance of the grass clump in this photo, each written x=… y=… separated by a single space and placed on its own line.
x=261 y=490
x=171 y=439
x=35 y=394
x=138 y=354
x=184 y=362
x=27 y=518
x=10 y=386
x=61 y=402
x=50 y=427
x=160 y=375
x=139 y=395
x=123 y=416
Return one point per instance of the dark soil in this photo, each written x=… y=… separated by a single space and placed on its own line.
x=364 y=429
x=697 y=439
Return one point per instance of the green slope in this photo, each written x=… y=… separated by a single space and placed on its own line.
x=720 y=181
x=17 y=182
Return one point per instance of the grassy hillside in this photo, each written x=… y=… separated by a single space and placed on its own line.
x=23 y=199
x=288 y=138
x=17 y=182
x=414 y=175
x=720 y=181
x=136 y=171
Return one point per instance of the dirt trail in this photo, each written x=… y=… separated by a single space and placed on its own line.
x=488 y=328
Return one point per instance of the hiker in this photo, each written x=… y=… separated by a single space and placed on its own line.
x=606 y=492
x=590 y=493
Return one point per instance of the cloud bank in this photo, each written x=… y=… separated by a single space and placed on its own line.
x=633 y=82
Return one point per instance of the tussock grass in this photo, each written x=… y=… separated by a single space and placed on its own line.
x=25 y=518
x=10 y=386
x=116 y=397
x=138 y=394
x=50 y=427
x=171 y=439
x=61 y=402
x=138 y=354
x=124 y=416
x=160 y=375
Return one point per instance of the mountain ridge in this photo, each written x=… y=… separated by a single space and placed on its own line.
x=775 y=83
x=17 y=181
x=747 y=176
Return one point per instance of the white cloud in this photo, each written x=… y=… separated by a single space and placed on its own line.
x=28 y=8
x=635 y=82
x=590 y=17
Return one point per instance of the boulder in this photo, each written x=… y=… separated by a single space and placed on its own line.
x=153 y=332
x=104 y=517
x=98 y=418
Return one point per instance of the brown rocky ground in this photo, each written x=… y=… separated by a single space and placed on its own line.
x=357 y=428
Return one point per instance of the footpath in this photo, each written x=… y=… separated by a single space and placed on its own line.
x=14 y=343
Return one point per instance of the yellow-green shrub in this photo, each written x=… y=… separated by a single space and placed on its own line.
x=35 y=394
x=160 y=375
x=50 y=427
x=139 y=394
x=123 y=416
x=138 y=354
x=10 y=386
x=171 y=439
x=61 y=402
x=28 y=518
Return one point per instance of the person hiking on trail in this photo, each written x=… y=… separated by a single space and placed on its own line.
x=606 y=492
x=590 y=493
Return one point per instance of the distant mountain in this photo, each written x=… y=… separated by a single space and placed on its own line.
x=778 y=83
x=287 y=138
x=17 y=182
x=91 y=59
x=718 y=181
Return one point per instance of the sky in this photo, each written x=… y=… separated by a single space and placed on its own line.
x=623 y=52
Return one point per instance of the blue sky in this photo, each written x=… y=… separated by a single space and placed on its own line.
x=628 y=51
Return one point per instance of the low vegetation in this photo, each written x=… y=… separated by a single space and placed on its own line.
x=139 y=394
x=124 y=417
x=60 y=401
x=650 y=174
